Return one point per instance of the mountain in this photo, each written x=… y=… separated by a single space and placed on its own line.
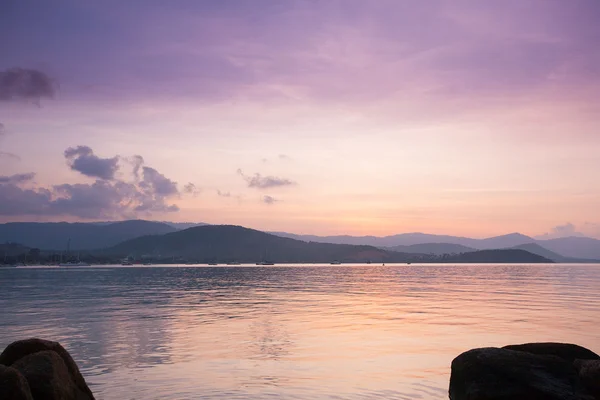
x=227 y=243
x=433 y=248
x=572 y=249
x=403 y=239
x=541 y=251
x=409 y=239
x=54 y=236
x=498 y=256
x=574 y=246
x=503 y=241
x=184 y=225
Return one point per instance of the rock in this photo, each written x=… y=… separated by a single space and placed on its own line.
x=566 y=351
x=505 y=374
x=13 y=385
x=48 y=376
x=589 y=373
x=22 y=348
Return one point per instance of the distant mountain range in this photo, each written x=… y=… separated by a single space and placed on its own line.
x=227 y=243
x=102 y=235
x=568 y=249
x=83 y=236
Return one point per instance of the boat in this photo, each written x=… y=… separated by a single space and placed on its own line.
x=265 y=260
x=126 y=262
x=336 y=262
x=213 y=263
x=74 y=264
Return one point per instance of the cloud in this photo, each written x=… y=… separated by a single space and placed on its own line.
x=2 y=131
x=264 y=182
x=26 y=84
x=12 y=156
x=192 y=189
x=83 y=160
x=284 y=157
x=137 y=161
x=223 y=194
x=18 y=201
x=154 y=189
x=269 y=199
x=157 y=182
x=561 y=231
x=17 y=179
x=109 y=198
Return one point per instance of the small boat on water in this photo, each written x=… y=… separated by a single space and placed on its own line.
x=74 y=264
x=336 y=262
x=126 y=262
x=265 y=263
x=213 y=263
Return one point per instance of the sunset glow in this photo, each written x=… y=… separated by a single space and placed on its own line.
x=355 y=117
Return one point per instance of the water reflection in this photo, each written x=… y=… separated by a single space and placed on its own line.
x=359 y=332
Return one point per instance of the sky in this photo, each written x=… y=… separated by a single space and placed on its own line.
x=462 y=117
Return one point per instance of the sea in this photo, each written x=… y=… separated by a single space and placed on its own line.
x=292 y=331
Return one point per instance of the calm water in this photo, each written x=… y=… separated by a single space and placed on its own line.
x=318 y=332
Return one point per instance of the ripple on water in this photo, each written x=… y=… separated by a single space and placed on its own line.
x=319 y=332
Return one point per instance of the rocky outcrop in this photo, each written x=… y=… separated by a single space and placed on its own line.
x=566 y=351
x=589 y=372
x=44 y=370
x=534 y=371
x=13 y=385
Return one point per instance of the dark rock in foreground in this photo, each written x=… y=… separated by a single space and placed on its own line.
x=534 y=371
x=40 y=369
x=13 y=385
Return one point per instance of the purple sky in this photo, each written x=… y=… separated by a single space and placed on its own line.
x=365 y=117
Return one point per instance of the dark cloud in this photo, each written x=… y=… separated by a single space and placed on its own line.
x=11 y=156
x=264 y=182
x=17 y=178
x=192 y=189
x=223 y=194
x=26 y=84
x=269 y=199
x=104 y=199
x=15 y=200
x=158 y=183
x=83 y=160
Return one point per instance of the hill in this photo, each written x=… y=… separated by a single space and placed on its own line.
x=571 y=249
x=54 y=236
x=498 y=256
x=433 y=248
x=227 y=243
x=574 y=246
x=410 y=239
x=535 y=248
